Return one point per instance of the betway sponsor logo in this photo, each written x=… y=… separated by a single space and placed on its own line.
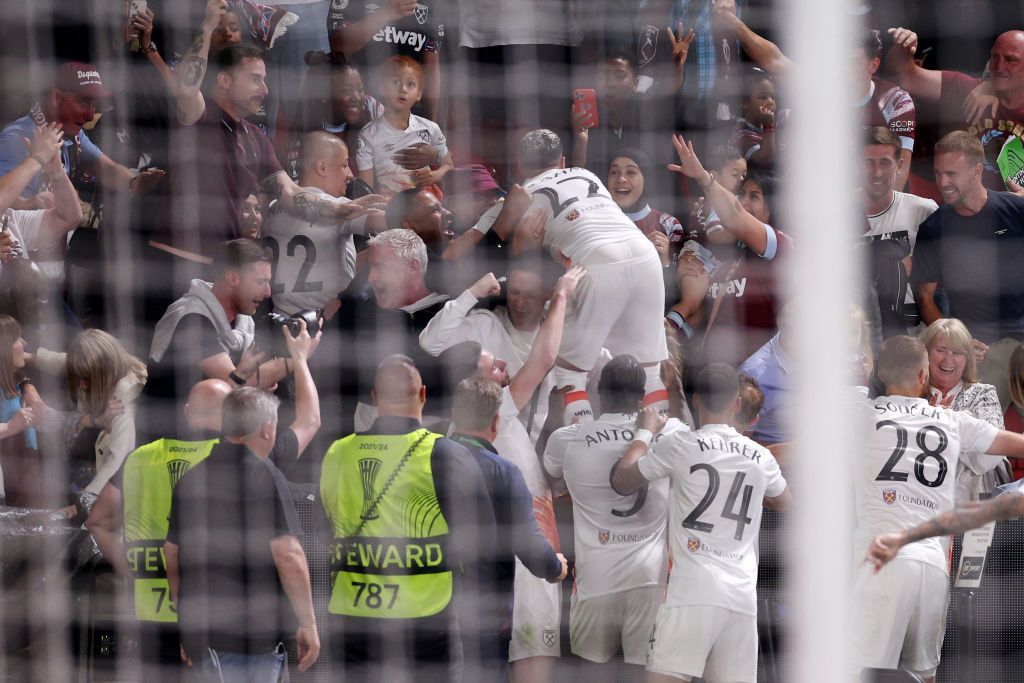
x=389 y=34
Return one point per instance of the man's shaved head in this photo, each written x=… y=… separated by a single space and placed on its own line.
x=203 y=409
x=1006 y=66
x=321 y=145
x=397 y=385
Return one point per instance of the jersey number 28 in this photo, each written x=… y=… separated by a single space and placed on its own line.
x=889 y=472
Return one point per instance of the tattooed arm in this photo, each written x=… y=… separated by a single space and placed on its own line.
x=192 y=70
x=314 y=207
x=958 y=520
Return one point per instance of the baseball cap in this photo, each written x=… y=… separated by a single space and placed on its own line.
x=82 y=79
x=471 y=178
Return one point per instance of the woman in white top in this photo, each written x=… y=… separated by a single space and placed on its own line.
x=953 y=378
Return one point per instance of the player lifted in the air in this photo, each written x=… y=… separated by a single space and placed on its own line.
x=906 y=457
x=620 y=300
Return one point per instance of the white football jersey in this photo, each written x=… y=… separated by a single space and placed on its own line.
x=905 y=464
x=313 y=262
x=621 y=541
x=581 y=216
x=719 y=481
x=379 y=140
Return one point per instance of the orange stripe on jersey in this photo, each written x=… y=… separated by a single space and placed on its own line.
x=655 y=396
x=544 y=511
x=574 y=396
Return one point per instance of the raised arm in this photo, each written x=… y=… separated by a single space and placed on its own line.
x=544 y=352
x=909 y=75
x=626 y=477
x=307 y=400
x=958 y=520
x=66 y=214
x=43 y=150
x=764 y=52
x=352 y=38
x=734 y=217
x=192 y=69
x=142 y=25
x=316 y=208
x=452 y=324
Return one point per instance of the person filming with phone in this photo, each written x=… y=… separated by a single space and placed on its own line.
x=210 y=332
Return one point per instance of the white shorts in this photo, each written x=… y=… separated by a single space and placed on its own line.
x=899 y=616
x=702 y=641
x=536 y=617
x=620 y=306
x=599 y=625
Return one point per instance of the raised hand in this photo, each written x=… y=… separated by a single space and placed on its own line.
x=215 y=9
x=689 y=164
x=980 y=103
x=402 y=8
x=680 y=45
x=905 y=40
x=651 y=419
x=45 y=147
x=486 y=286
x=566 y=284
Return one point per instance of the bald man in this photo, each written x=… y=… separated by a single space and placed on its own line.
x=314 y=261
x=142 y=489
x=413 y=528
x=950 y=88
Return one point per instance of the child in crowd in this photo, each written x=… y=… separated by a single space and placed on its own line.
x=751 y=402
x=400 y=87
x=754 y=134
x=252 y=217
x=626 y=183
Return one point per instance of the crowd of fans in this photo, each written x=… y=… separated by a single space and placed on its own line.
x=385 y=196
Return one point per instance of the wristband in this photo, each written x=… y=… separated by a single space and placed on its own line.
x=234 y=377
x=645 y=435
x=150 y=48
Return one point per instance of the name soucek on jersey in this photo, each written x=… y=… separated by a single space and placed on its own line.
x=719 y=481
x=905 y=466
x=621 y=541
x=581 y=215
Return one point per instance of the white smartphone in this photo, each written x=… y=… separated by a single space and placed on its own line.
x=137 y=7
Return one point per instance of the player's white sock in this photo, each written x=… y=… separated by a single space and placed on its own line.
x=577 y=403
x=655 y=393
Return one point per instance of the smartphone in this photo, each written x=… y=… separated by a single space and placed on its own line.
x=136 y=7
x=584 y=101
